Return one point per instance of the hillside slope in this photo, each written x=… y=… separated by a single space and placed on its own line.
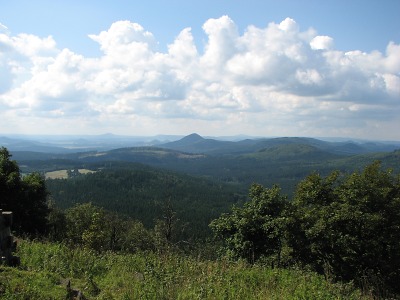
x=194 y=143
x=142 y=192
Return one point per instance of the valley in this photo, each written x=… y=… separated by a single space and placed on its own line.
x=240 y=201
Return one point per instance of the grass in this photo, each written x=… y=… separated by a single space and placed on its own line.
x=63 y=174
x=60 y=174
x=22 y=284
x=46 y=267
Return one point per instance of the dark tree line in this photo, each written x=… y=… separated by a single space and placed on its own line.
x=25 y=196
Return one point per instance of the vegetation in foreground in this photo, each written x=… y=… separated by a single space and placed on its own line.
x=47 y=267
x=344 y=227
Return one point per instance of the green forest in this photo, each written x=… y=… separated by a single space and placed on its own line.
x=136 y=231
x=141 y=192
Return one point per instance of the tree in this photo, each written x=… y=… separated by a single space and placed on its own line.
x=350 y=225
x=87 y=226
x=10 y=180
x=136 y=237
x=57 y=223
x=97 y=235
x=34 y=204
x=346 y=226
x=165 y=229
x=26 y=196
x=255 y=230
x=308 y=221
x=94 y=228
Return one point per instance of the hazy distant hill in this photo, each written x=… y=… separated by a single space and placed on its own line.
x=293 y=152
x=194 y=143
x=30 y=145
x=71 y=144
x=283 y=161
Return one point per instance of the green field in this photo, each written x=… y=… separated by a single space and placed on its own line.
x=63 y=174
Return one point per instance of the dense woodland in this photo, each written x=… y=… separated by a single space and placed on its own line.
x=141 y=193
x=343 y=224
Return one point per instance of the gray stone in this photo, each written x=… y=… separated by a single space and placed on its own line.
x=7 y=244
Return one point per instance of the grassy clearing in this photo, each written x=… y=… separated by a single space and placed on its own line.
x=63 y=174
x=46 y=267
x=85 y=171
x=60 y=174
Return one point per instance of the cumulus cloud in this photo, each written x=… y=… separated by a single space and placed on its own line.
x=321 y=42
x=277 y=80
x=124 y=36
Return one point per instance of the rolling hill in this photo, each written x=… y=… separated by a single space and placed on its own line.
x=283 y=161
x=194 y=143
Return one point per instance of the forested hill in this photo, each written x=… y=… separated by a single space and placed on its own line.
x=194 y=143
x=282 y=161
x=141 y=193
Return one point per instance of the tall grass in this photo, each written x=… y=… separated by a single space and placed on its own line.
x=151 y=276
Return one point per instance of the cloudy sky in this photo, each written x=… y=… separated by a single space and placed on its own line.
x=215 y=67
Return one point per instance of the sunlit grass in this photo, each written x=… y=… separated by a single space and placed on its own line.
x=48 y=266
x=63 y=174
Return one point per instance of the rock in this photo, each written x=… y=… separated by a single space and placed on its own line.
x=7 y=244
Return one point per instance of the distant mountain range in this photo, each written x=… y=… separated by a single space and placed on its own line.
x=192 y=143
x=72 y=144
x=283 y=160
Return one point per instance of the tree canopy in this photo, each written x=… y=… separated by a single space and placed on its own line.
x=346 y=226
x=24 y=196
x=256 y=229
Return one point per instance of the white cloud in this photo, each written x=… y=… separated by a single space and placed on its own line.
x=308 y=77
x=321 y=42
x=392 y=60
x=273 y=80
x=222 y=36
x=124 y=36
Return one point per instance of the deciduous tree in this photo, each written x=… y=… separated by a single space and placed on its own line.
x=255 y=230
x=350 y=225
x=26 y=197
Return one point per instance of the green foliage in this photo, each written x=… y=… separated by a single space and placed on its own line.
x=134 y=237
x=141 y=193
x=350 y=226
x=150 y=276
x=10 y=180
x=86 y=226
x=94 y=228
x=26 y=197
x=256 y=230
x=18 y=284
x=344 y=226
x=57 y=223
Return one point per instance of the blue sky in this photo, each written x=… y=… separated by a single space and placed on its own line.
x=270 y=68
x=357 y=24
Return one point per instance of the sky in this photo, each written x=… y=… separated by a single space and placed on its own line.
x=218 y=68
